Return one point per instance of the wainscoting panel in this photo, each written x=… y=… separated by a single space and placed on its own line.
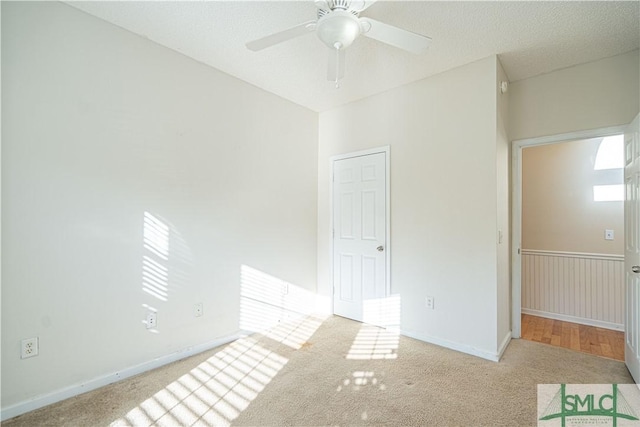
x=576 y=287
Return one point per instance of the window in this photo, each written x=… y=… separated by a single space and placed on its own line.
x=610 y=156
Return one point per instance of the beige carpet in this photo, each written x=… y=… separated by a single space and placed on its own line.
x=334 y=372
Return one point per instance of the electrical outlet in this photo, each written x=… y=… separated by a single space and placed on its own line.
x=197 y=310
x=29 y=348
x=152 y=319
x=285 y=288
x=430 y=303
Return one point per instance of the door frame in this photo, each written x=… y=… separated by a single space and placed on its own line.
x=631 y=354
x=387 y=151
x=516 y=208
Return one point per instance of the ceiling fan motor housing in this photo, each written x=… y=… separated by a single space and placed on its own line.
x=338 y=29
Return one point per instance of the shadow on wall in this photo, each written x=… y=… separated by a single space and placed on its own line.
x=166 y=265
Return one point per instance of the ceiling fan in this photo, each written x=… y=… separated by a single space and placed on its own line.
x=337 y=25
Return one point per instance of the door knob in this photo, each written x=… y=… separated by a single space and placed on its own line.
x=636 y=268
x=380 y=248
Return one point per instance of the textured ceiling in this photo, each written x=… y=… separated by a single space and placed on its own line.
x=530 y=38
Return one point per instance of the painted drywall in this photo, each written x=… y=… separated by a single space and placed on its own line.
x=109 y=139
x=442 y=134
x=559 y=212
x=503 y=208
x=589 y=96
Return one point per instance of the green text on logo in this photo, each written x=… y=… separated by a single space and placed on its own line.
x=565 y=405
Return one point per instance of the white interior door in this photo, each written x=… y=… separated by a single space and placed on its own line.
x=632 y=247
x=359 y=233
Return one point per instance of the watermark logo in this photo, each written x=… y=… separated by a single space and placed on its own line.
x=569 y=405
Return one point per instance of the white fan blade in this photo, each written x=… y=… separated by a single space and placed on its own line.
x=360 y=5
x=273 y=39
x=395 y=36
x=335 y=71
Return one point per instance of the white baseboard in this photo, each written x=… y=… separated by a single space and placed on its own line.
x=463 y=348
x=77 y=389
x=574 y=319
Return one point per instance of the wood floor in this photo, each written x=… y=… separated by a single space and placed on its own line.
x=587 y=339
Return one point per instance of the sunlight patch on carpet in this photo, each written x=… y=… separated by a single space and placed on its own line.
x=379 y=336
x=373 y=343
x=280 y=310
x=213 y=393
x=359 y=380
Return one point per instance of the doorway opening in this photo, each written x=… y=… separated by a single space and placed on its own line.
x=568 y=231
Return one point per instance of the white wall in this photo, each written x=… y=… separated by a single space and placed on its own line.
x=101 y=126
x=589 y=96
x=559 y=212
x=442 y=133
x=503 y=179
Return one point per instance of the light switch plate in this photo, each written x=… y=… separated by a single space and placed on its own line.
x=608 y=234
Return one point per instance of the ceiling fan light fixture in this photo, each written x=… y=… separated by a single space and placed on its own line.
x=338 y=28
x=337 y=25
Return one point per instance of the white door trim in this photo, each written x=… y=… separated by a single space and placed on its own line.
x=387 y=150
x=516 y=207
x=631 y=259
